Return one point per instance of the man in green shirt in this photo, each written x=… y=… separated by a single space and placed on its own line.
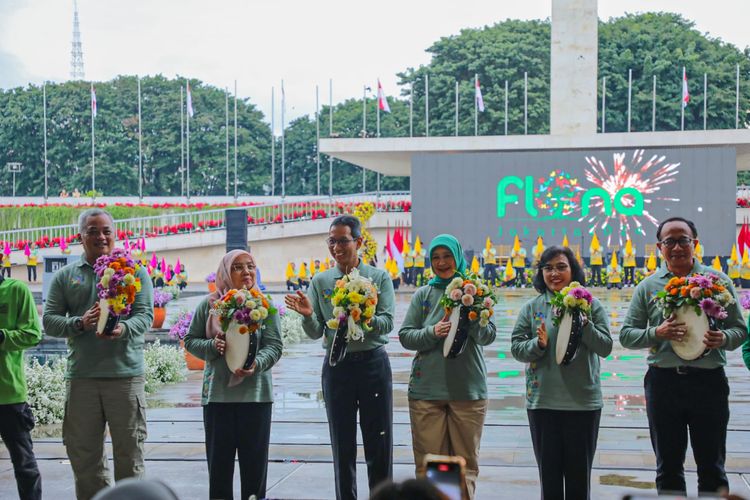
x=683 y=396
x=105 y=384
x=362 y=380
x=19 y=330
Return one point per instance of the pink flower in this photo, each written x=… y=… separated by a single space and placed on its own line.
x=696 y=293
x=467 y=300
x=239 y=298
x=456 y=294
x=487 y=303
x=470 y=289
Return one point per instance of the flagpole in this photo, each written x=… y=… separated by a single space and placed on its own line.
x=682 y=101
x=182 y=140
x=317 y=133
x=411 y=109
x=187 y=145
x=364 y=132
x=630 y=95
x=44 y=107
x=604 y=104
x=427 y=105
x=140 y=145
x=273 y=144
x=377 y=110
x=476 y=105
x=653 y=106
x=525 y=102
x=93 y=153
x=506 y=107
x=283 y=150
x=457 y=108
x=705 y=99
x=330 y=134
x=226 y=141
x=737 y=99
x=235 y=140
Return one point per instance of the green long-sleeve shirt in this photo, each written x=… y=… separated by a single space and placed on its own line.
x=639 y=328
x=434 y=377
x=71 y=293
x=216 y=375
x=550 y=386
x=746 y=352
x=19 y=323
x=321 y=289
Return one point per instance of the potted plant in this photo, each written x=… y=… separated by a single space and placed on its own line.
x=161 y=299
x=178 y=331
x=211 y=280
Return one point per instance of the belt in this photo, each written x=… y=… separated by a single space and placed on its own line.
x=686 y=370
x=363 y=355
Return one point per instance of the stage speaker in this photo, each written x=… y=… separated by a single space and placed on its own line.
x=236 y=224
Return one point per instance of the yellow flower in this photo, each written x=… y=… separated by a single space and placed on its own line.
x=356 y=298
x=369 y=311
x=332 y=323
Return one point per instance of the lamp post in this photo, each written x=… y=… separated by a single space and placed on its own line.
x=14 y=168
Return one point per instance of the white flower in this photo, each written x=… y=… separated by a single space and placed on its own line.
x=485 y=314
x=263 y=312
x=255 y=315
x=338 y=311
x=251 y=304
x=484 y=322
x=467 y=300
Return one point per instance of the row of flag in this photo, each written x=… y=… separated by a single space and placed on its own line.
x=383 y=99
x=189 y=101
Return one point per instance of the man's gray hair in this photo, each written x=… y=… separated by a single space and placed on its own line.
x=92 y=212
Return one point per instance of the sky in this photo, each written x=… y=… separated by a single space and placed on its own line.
x=260 y=42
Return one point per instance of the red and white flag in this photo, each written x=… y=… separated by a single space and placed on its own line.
x=382 y=99
x=189 y=101
x=478 y=94
x=685 y=91
x=93 y=101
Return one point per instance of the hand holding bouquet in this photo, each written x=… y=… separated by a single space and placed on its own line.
x=472 y=294
x=116 y=288
x=702 y=292
x=354 y=300
x=574 y=298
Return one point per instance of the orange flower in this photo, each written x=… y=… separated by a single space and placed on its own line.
x=265 y=303
x=243 y=329
x=254 y=292
x=707 y=292
x=673 y=291
x=473 y=315
x=479 y=292
x=684 y=291
x=356 y=313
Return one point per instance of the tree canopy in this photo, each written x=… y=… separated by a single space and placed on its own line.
x=651 y=45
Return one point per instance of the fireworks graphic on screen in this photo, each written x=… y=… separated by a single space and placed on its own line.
x=559 y=194
x=647 y=177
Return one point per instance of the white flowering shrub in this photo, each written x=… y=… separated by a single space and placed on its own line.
x=291 y=327
x=46 y=390
x=164 y=365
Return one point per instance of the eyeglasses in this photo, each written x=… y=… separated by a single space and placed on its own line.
x=238 y=268
x=332 y=242
x=683 y=242
x=560 y=268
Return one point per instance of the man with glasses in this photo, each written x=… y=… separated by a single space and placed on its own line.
x=105 y=376
x=683 y=397
x=362 y=380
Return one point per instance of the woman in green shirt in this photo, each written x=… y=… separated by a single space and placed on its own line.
x=236 y=406
x=746 y=353
x=563 y=401
x=447 y=397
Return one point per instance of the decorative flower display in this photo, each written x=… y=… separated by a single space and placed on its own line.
x=703 y=292
x=117 y=281
x=249 y=308
x=354 y=300
x=182 y=325
x=473 y=293
x=572 y=299
x=162 y=298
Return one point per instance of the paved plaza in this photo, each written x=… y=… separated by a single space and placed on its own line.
x=300 y=453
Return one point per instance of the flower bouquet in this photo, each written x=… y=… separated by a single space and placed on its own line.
x=242 y=313
x=699 y=301
x=354 y=299
x=465 y=300
x=571 y=310
x=116 y=288
x=211 y=281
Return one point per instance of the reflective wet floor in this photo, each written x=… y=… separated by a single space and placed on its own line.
x=300 y=451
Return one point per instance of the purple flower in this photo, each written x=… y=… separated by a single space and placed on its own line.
x=582 y=293
x=701 y=281
x=211 y=278
x=161 y=298
x=745 y=300
x=180 y=328
x=713 y=308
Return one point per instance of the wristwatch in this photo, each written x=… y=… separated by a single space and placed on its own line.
x=78 y=323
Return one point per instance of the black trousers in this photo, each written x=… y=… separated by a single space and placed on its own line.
x=564 y=446
x=362 y=381
x=696 y=404
x=237 y=428
x=31 y=271
x=629 y=275
x=490 y=273
x=16 y=422
x=6 y=271
x=520 y=276
x=596 y=275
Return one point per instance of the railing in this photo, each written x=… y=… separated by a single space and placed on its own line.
x=211 y=220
